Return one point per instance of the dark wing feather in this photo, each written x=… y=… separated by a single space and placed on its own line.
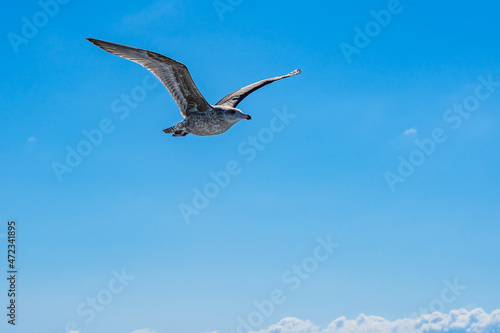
x=234 y=98
x=174 y=75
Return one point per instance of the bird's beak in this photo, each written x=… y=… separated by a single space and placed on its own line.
x=244 y=116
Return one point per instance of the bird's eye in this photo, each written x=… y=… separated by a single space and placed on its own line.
x=232 y=112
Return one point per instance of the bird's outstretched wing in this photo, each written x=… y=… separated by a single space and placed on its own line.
x=234 y=98
x=174 y=75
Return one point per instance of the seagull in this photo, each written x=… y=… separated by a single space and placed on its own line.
x=200 y=117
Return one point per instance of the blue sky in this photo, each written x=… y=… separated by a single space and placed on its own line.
x=352 y=121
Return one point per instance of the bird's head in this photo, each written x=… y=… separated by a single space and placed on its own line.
x=235 y=115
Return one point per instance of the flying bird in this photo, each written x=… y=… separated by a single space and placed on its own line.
x=200 y=117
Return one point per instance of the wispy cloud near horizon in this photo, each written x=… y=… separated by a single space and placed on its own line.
x=144 y=330
x=456 y=321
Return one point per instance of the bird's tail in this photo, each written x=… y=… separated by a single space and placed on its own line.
x=169 y=130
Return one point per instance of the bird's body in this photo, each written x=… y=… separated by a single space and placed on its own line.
x=201 y=118
x=212 y=122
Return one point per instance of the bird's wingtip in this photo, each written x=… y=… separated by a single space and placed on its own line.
x=93 y=40
x=297 y=71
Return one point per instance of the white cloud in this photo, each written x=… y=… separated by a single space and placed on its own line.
x=457 y=321
x=31 y=139
x=410 y=131
x=144 y=330
x=292 y=325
